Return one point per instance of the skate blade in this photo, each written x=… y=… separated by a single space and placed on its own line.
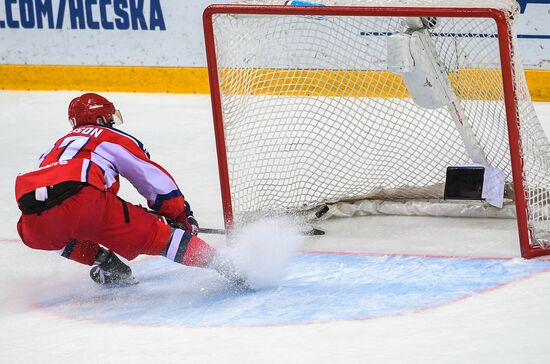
x=240 y=287
x=124 y=283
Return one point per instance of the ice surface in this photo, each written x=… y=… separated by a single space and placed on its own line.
x=51 y=312
x=317 y=287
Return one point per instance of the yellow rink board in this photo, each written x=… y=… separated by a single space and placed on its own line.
x=470 y=84
x=104 y=78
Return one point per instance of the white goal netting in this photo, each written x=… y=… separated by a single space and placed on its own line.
x=312 y=116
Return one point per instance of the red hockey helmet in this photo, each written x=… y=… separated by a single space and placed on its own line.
x=92 y=108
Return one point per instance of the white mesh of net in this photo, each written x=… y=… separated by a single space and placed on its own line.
x=311 y=116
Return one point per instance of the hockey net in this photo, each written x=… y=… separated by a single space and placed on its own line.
x=308 y=115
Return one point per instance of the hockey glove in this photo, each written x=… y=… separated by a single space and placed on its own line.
x=186 y=221
x=194 y=225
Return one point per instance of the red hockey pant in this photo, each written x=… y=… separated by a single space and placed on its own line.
x=83 y=222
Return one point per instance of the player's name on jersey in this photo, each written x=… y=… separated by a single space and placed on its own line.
x=82 y=14
x=95 y=132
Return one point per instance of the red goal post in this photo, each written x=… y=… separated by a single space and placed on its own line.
x=530 y=245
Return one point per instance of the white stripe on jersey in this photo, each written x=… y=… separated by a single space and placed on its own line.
x=83 y=173
x=174 y=244
x=147 y=178
x=107 y=167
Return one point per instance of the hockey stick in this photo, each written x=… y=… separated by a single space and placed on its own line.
x=311 y=232
x=212 y=231
x=203 y=230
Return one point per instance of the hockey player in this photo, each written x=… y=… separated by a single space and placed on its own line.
x=69 y=203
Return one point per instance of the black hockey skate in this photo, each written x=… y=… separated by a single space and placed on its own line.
x=111 y=271
x=227 y=269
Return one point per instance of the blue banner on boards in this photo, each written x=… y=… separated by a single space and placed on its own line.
x=83 y=14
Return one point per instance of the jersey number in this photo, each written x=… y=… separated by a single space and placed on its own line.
x=72 y=145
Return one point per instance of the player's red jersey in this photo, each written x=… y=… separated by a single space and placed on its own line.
x=96 y=155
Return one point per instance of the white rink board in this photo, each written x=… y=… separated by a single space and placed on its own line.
x=169 y=36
